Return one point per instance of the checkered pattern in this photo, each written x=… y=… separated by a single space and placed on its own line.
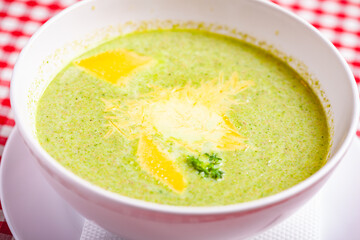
x=338 y=20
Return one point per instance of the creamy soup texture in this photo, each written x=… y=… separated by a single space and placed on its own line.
x=183 y=117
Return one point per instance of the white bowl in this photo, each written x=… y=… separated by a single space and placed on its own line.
x=137 y=219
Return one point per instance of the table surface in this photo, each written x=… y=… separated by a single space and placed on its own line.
x=338 y=20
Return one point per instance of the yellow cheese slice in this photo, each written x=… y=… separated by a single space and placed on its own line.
x=231 y=140
x=159 y=165
x=114 y=66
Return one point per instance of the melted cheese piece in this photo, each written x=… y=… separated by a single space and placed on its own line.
x=159 y=165
x=114 y=66
x=231 y=139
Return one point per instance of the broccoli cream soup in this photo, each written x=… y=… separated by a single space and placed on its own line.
x=183 y=117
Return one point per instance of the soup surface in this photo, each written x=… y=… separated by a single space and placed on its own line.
x=183 y=117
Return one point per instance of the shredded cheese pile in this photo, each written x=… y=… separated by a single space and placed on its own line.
x=191 y=116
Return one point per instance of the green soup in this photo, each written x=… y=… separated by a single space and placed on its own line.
x=197 y=119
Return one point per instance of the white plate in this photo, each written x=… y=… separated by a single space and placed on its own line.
x=34 y=211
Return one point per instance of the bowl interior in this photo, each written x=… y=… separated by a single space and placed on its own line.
x=89 y=22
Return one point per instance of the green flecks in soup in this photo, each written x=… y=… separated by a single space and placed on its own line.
x=183 y=117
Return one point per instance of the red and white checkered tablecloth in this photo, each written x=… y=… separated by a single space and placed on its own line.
x=338 y=20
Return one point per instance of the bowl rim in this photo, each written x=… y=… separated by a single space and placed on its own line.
x=261 y=203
